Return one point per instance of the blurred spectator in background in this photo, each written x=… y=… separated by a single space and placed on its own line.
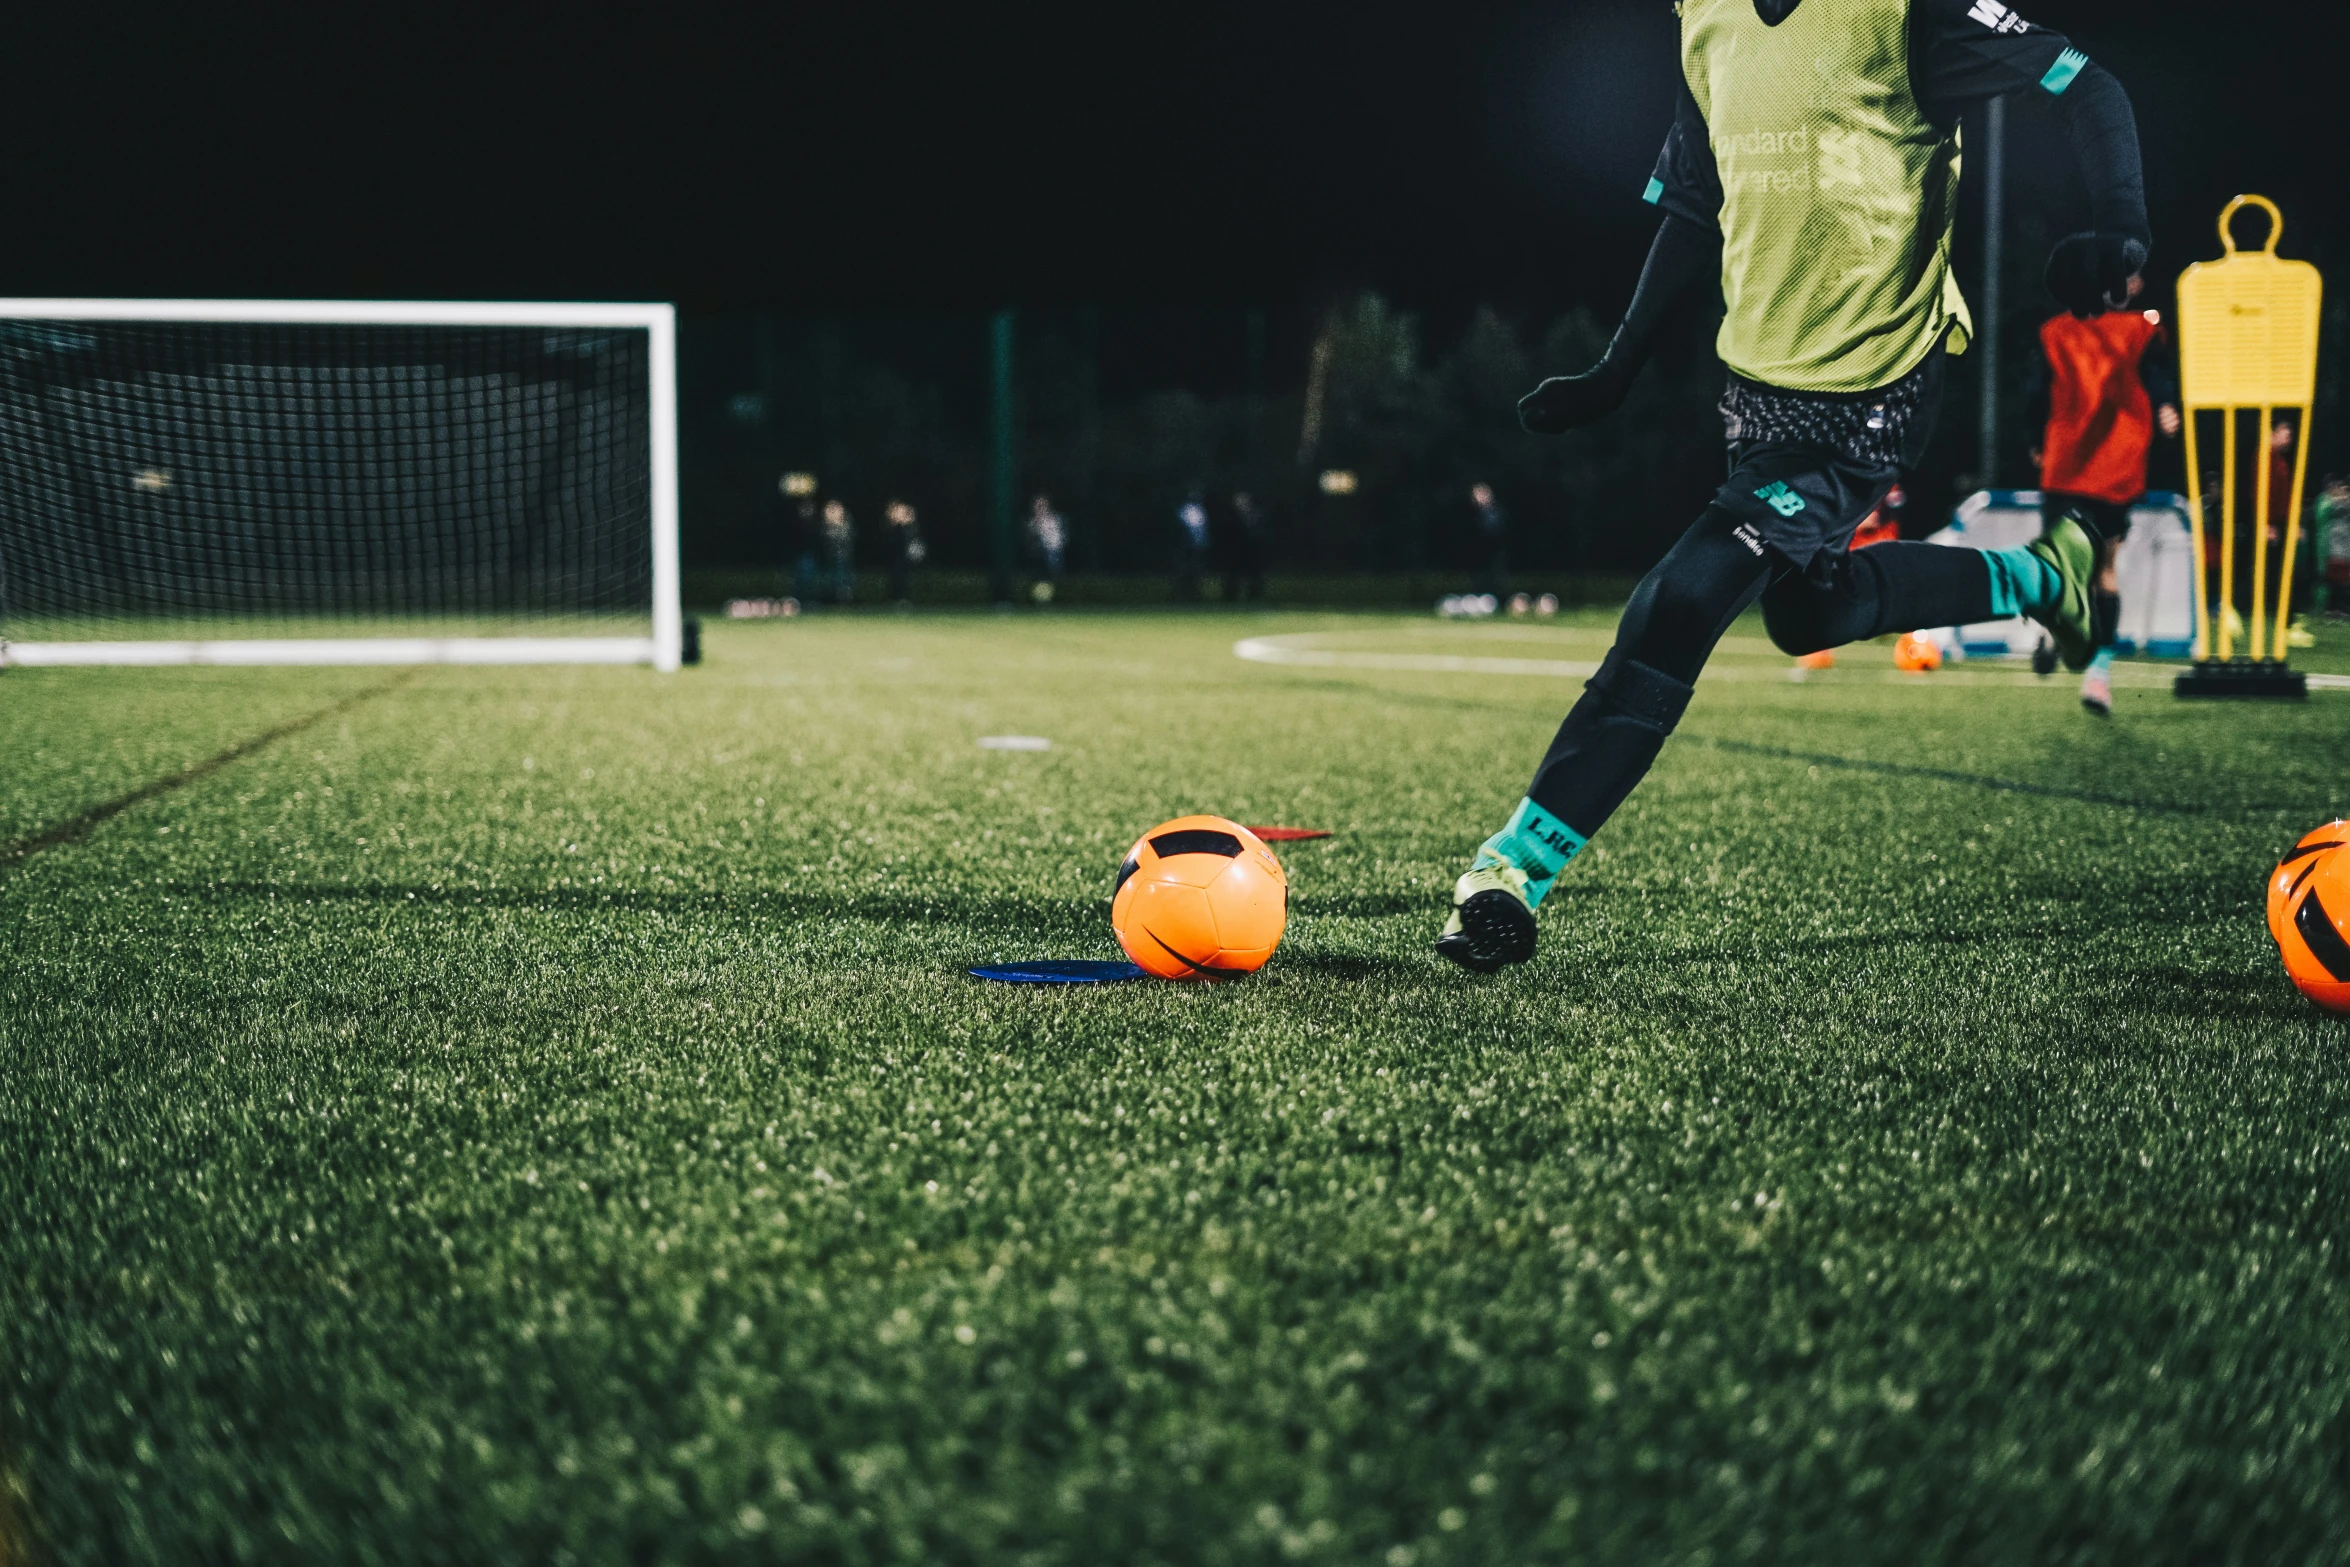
x=840 y=553
x=1493 y=542
x=803 y=536
x=1243 y=547
x=2223 y=615
x=2284 y=447
x=1048 y=538
x=1191 y=543
x=906 y=550
x=2333 y=544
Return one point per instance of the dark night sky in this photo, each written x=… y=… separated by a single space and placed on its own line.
x=878 y=155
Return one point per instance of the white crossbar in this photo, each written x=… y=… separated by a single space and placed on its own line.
x=340 y=312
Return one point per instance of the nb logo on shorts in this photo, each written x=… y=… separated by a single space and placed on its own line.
x=1780 y=499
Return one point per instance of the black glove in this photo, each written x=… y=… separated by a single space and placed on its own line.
x=2090 y=273
x=1566 y=402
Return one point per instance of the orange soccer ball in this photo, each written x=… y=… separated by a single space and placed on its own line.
x=1917 y=653
x=1200 y=898
x=2309 y=915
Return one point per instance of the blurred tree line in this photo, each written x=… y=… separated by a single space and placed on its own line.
x=1120 y=414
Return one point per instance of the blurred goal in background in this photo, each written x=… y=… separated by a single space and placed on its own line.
x=299 y=482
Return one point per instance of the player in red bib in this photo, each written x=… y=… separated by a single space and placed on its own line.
x=2101 y=387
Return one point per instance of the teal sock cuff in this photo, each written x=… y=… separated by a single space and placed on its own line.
x=1538 y=844
x=2020 y=582
x=2103 y=662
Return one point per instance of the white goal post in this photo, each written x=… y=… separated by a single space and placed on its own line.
x=354 y=466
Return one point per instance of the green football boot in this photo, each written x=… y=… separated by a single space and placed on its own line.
x=2069 y=551
x=1492 y=924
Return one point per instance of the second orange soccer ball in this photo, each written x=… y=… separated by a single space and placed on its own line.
x=2308 y=908
x=1916 y=653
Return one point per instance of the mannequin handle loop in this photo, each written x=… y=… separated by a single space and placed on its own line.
x=2227 y=220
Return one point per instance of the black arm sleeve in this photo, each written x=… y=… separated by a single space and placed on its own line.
x=1686 y=183
x=1687 y=252
x=2105 y=140
x=1682 y=258
x=1964 y=53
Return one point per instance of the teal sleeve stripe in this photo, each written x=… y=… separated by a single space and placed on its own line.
x=2060 y=75
x=1656 y=189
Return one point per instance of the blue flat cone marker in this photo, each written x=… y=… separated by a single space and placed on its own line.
x=1057 y=972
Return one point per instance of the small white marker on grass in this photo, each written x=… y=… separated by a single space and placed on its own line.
x=1014 y=743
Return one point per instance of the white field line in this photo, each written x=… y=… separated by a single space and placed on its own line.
x=1284 y=650
x=1295 y=650
x=1578 y=636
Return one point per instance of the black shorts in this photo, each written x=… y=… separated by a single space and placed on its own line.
x=1800 y=498
x=1799 y=502
x=2107 y=521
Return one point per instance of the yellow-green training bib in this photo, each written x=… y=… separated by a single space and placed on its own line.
x=1838 y=194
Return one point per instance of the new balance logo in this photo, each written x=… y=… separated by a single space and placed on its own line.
x=1998 y=17
x=1780 y=499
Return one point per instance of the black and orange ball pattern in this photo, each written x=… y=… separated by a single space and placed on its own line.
x=1200 y=898
x=2309 y=915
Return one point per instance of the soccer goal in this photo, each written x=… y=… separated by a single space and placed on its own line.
x=299 y=482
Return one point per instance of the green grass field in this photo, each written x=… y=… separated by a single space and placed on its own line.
x=540 y=1116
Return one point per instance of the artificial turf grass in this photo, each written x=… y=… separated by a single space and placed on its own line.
x=1870 y=1168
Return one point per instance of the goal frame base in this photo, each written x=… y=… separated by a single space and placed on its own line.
x=283 y=651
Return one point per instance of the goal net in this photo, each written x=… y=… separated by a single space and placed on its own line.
x=187 y=481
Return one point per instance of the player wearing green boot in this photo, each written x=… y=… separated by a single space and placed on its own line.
x=1813 y=168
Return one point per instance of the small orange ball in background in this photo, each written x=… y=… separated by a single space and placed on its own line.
x=1200 y=898
x=1916 y=652
x=2309 y=915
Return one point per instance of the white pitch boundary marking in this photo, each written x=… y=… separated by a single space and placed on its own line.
x=1284 y=650
x=1292 y=650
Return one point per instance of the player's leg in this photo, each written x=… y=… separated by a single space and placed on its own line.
x=1610 y=738
x=1679 y=612
x=2112 y=524
x=1851 y=596
x=1909 y=586
x=1781 y=506
x=2106 y=525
